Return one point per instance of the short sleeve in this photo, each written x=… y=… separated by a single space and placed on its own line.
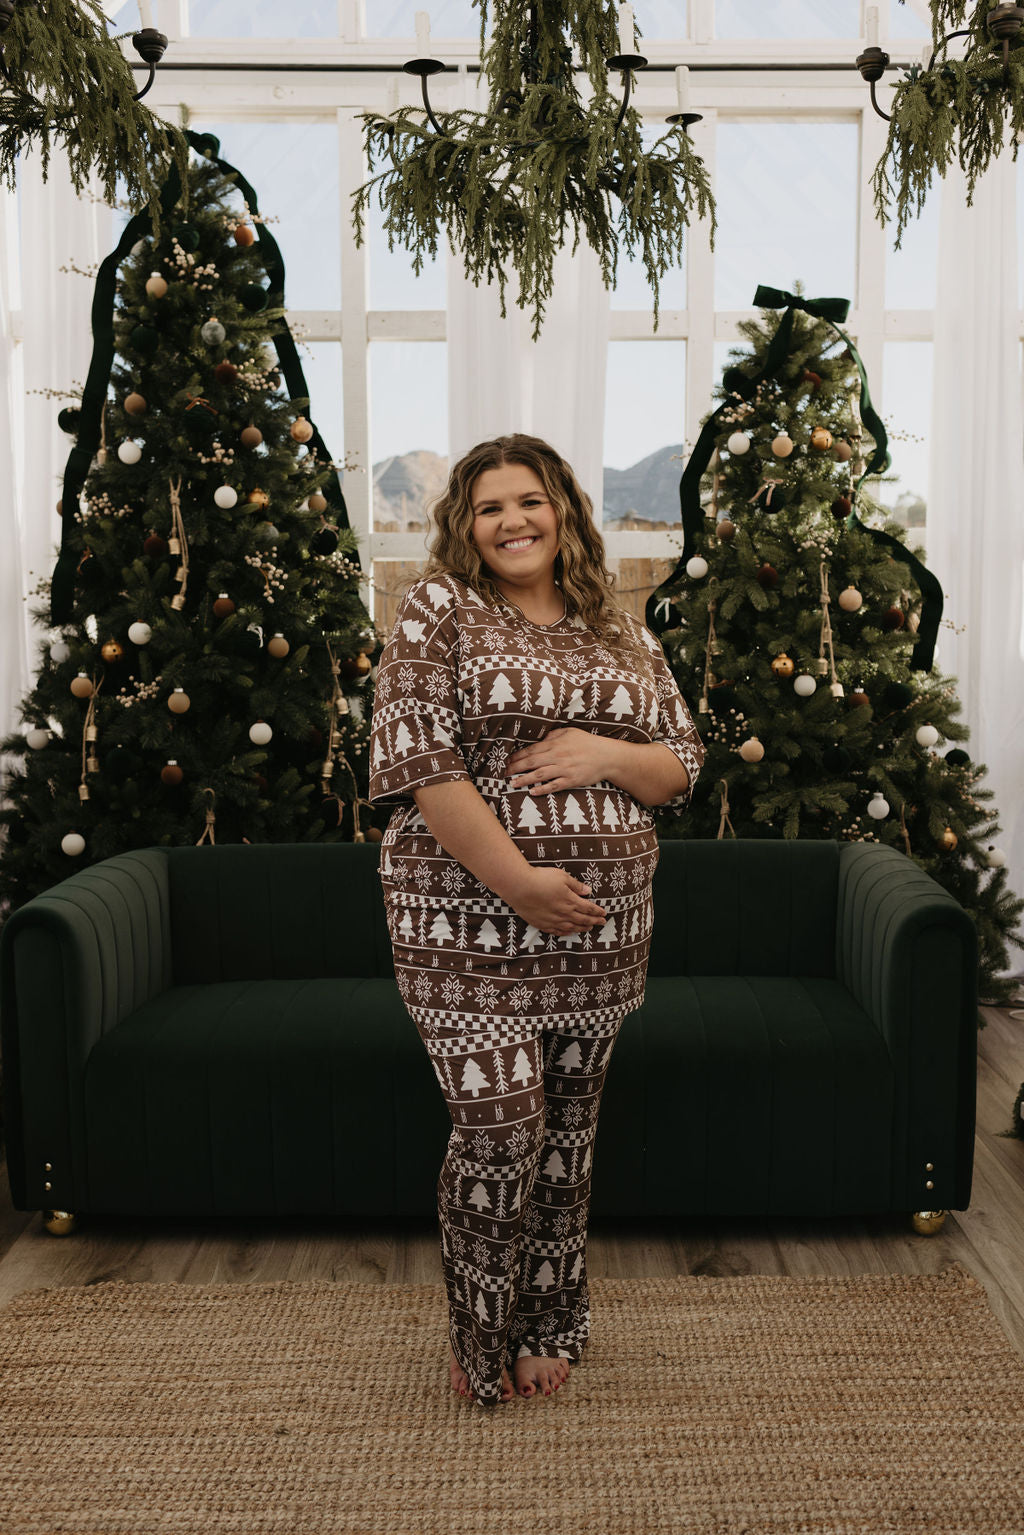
x=416 y=728
x=674 y=728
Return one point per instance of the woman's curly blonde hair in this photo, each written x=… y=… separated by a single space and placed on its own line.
x=580 y=568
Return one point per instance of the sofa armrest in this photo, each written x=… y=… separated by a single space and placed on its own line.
x=74 y=962
x=907 y=951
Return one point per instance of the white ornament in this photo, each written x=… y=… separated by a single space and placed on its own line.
x=226 y=496
x=696 y=567
x=37 y=738
x=782 y=447
x=140 y=633
x=927 y=735
x=260 y=733
x=73 y=844
x=878 y=809
x=138 y=248
x=996 y=858
x=59 y=652
x=129 y=452
x=213 y=332
x=805 y=685
x=738 y=443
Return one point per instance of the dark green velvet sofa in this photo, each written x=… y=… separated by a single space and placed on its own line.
x=218 y=1031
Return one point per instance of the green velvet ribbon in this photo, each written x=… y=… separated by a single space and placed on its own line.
x=743 y=386
x=62 y=585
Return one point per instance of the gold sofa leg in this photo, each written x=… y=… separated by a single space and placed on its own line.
x=928 y=1223
x=59 y=1223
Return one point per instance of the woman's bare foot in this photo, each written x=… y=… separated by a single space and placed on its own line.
x=534 y=1373
x=460 y=1380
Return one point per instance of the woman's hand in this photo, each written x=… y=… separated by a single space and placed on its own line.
x=554 y=902
x=567 y=758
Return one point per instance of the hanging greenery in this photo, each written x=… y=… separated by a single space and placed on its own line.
x=64 y=78
x=960 y=109
x=507 y=184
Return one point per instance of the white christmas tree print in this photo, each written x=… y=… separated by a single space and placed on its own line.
x=652 y=716
x=522 y=1071
x=516 y=1204
x=531 y=938
x=621 y=704
x=441 y=737
x=634 y=812
x=570 y=1058
x=572 y=815
x=403 y=741
x=576 y=1270
x=611 y=815
x=405 y=927
x=502 y=692
x=479 y=1198
x=575 y=705
x=439 y=595
x=529 y=816
x=554 y=1167
x=545 y=696
x=473 y=1078
x=441 y=929
x=634 y=932
x=607 y=933
x=488 y=936
x=481 y=1309
x=413 y=630
x=544 y=1277
x=569 y=939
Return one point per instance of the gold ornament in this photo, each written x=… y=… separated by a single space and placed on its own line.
x=258 y=498
x=363 y=663
x=81 y=686
x=112 y=651
x=782 y=666
x=949 y=839
x=301 y=429
x=244 y=234
x=821 y=438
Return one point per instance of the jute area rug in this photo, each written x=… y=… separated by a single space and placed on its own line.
x=741 y=1406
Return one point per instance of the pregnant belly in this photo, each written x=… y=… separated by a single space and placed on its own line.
x=599 y=834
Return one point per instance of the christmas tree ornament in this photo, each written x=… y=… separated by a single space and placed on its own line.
x=145 y=340
x=73 y=843
x=187 y=236
x=171 y=773
x=179 y=702
x=957 y=757
x=278 y=646
x=60 y=507
x=317 y=502
x=767 y=575
x=155 y=546
x=135 y=403
x=893 y=618
x=213 y=332
x=696 y=568
x=726 y=530
x=896 y=695
x=200 y=418
x=738 y=443
x=374 y=834
x=223 y=606
x=37 y=738
x=260 y=733
x=301 y=429
x=156 y=285
x=226 y=496
x=254 y=297
x=225 y=372
x=783 y=666
x=995 y=857
x=81 y=686
x=178 y=543
x=129 y=452
x=926 y=735
x=112 y=651
x=842 y=452
x=782 y=445
x=258 y=498
x=949 y=839
x=69 y=419
x=850 y=599
x=821 y=666
x=859 y=697
x=769 y=498
x=842 y=506
x=139 y=633
x=250 y=436
x=325 y=539
x=821 y=439
x=752 y=750
x=244 y=234
x=805 y=685
x=59 y=652
x=878 y=806
x=266 y=535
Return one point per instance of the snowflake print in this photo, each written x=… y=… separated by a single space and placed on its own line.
x=548 y=1325
x=519 y=998
x=604 y=990
x=453 y=879
x=563 y=1224
x=451 y=991
x=421 y=986
x=531 y=1219
x=481 y=1252
x=482 y=1146
x=457 y=1243
x=486 y=996
x=592 y=876
x=423 y=877
x=639 y=875
x=436 y=684
x=617 y=878
x=549 y=997
x=572 y=1113
x=519 y=1144
x=400 y=870
x=406 y=678
x=577 y=993
x=625 y=986
x=510 y=1259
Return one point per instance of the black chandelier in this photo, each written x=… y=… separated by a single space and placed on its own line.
x=148 y=43
x=1003 y=22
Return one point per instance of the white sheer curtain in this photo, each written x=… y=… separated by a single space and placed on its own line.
x=975 y=540
x=501 y=381
x=53 y=228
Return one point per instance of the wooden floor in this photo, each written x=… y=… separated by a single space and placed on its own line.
x=987 y=1238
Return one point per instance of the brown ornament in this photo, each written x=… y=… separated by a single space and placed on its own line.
x=60 y=507
x=317 y=502
x=250 y=436
x=859 y=697
x=301 y=429
x=783 y=666
x=726 y=530
x=363 y=663
x=179 y=702
x=171 y=773
x=821 y=439
x=349 y=667
x=949 y=839
x=278 y=645
x=244 y=234
x=374 y=834
x=893 y=618
x=155 y=546
x=225 y=372
x=223 y=606
x=134 y=403
x=842 y=506
x=112 y=651
x=258 y=498
x=81 y=686
x=842 y=451
x=768 y=575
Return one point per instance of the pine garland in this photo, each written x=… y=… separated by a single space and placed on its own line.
x=508 y=184
x=69 y=81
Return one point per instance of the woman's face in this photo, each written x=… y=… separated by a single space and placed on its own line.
x=515 y=527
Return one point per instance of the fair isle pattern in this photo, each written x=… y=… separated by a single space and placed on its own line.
x=519 y=1024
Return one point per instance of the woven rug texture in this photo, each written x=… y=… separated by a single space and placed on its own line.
x=757 y=1405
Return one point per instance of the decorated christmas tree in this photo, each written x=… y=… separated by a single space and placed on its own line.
x=205 y=672
x=803 y=625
